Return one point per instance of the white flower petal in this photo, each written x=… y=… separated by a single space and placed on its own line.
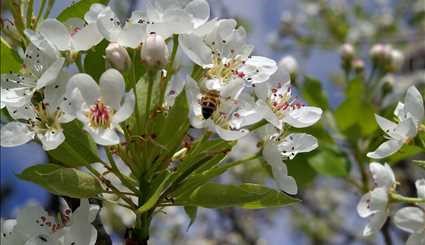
x=174 y=88
x=112 y=88
x=109 y=25
x=406 y=129
x=232 y=90
x=386 y=125
x=27 y=111
x=259 y=68
x=376 y=222
x=26 y=221
x=50 y=75
x=414 y=104
x=51 y=139
x=266 y=112
x=410 y=219
x=86 y=38
x=383 y=175
x=386 y=149
x=303 y=117
x=126 y=108
x=420 y=187
x=199 y=10
x=230 y=135
x=14 y=134
x=132 y=35
x=56 y=32
x=91 y=15
x=103 y=136
x=87 y=87
x=280 y=173
x=363 y=208
x=195 y=48
x=297 y=143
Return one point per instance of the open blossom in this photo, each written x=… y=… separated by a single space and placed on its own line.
x=74 y=34
x=374 y=204
x=277 y=105
x=35 y=226
x=102 y=107
x=226 y=117
x=220 y=48
x=40 y=70
x=277 y=147
x=412 y=219
x=42 y=120
x=410 y=115
x=172 y=17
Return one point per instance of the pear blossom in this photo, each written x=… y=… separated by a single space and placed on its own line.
x=412 y=219
x=374 y=204
x=275 y=148
x=277 y=105
x=74 y=34
x=220 y=48
x=172 y=17
x=102 y=107
x=40 y=70
x=227 y=120
x=35 y=226
x=410 y=115
x=117 y=56
x=42 y=120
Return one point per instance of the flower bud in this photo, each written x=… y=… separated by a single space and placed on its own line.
x=396 y=59
x=154 y=51
x=347 y=51
x=289 y=63
x=377 y=51
x=358 y=66
x=117 y=56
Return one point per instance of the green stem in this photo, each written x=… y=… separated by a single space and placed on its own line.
x=30 y=10
x=411 y=200
x=151 y=77
x=257 y=125
x=79 y=63
x=40 y=11
x=169 y=68
x=134 y=86
x=130 y=184
x=49 y=8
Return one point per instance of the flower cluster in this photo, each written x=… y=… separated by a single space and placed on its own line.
x=34 y=225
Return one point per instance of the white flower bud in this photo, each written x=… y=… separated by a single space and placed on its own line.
x=289 y=63
x=358 y=65
x=377 y=51
x=397 y=59
x=117 y=56
x=347 y=51
x=154 y=51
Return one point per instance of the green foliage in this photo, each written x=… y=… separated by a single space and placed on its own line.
x=355 y=116
x=94 y=62
x=314 y=94
x=10 y=62
x=250 y=196
x=62 y=181
x=78 y=148
x=330 y=161
x=191 y=213
x=78 y=9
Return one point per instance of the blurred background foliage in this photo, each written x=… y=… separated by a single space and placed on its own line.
x=312 y=32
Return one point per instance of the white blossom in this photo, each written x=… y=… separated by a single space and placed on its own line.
x=102 y=107
x=154 y=51
x=374 y=204
x=410 y=115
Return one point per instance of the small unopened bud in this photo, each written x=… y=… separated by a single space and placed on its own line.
x=347 y=51
x=117 y=56
x=396 y=60
x=154 y=51
x=179 y=155
x=377 y=51
x=358 y=66
x=290 y=64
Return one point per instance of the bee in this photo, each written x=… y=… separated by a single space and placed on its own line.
x=210 y=100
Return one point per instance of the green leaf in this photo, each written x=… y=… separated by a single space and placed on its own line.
x=420 y=163
x=191 y=213
x=63 y=181
x=329 y=161
x=10 y=62
x=314 y=94
x=78 y=149
x=405 y=152
x=94 y=63
x=250 y=196
x=153 y=199
x=78 y=9
x=355 y=116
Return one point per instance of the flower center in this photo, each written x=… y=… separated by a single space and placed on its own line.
x=281 y=100
x=46 y=121
x=224 y=69
x=99 y=115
